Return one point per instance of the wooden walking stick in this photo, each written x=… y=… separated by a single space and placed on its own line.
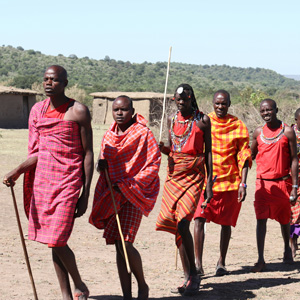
x=118 y=220
x=165 y=96
x=23 y=242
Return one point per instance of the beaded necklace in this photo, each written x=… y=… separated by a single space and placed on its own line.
x=272 y=140
x=179 y=141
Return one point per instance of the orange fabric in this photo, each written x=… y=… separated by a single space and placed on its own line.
x=272 y=201
x=58 y=112
x=194 y=144
x=273 y=160
x=230 y=151
x=182 y=191
x=223 y=208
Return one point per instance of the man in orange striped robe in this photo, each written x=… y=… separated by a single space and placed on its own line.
x=231 y=158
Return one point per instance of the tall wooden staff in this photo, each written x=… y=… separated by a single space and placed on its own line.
x=118 y=220
x=165 y=96
x=23 y=242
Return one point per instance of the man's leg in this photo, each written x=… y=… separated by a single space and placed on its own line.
x=199 y=237
x=136 y=267
x=187 y=242
x=63 y=277
x=64 y=260
x=125 y=277
x=261 y=229
x=185 y=262
x=285 y=231
x=224 y=243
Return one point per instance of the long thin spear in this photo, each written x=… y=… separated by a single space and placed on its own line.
x=118 y=220
x=165 y=96
x=23 y=242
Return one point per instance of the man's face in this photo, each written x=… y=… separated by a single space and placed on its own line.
x=122 y=111
x=221 y=105
x=54 y=82
x=183 y=102
x=268 y=111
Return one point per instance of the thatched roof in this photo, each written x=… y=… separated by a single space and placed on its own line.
x=132 y=95
x=15 y=91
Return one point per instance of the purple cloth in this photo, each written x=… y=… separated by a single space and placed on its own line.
x=295 y=230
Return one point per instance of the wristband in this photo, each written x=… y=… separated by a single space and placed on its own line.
x=295 y=185
x=243 y=185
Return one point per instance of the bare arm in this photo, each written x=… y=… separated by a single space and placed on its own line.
x=84 y=119
x=29 y=164
x=290 y=134
x=254 y=144
x=163 y=149
x=242 y=192
x=205 y=126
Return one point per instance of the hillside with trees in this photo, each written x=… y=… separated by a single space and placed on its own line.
x=22 y=68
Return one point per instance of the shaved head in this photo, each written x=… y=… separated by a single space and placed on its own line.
x=59 y=70
x=270 y=101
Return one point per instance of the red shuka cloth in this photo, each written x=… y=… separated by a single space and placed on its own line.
x=273 y=161
x=133 y=160
x=51 y=191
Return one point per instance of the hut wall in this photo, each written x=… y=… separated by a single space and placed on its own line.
x=15 y=110
x=99 y=110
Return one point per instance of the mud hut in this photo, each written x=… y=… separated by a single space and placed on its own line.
x=146 y=103
x=15 y=106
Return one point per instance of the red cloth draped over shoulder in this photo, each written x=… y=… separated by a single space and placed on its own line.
x=51 y=191
x=134 y=160
x=273 y=160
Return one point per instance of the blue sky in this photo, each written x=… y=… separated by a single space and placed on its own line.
x=255 y=33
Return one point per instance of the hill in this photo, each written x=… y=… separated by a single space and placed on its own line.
x=21 y=68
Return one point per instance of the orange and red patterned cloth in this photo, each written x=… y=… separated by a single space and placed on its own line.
x=134 y=160
x=51 y=191
x=230 y=151
x=185 y=178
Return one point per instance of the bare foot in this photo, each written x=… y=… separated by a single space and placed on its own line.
x=143 y=293
x=258 y=267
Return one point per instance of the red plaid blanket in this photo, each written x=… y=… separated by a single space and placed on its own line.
x=52 y=190
x=134 y=160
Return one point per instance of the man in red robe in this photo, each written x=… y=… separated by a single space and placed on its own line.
x=131 y=155
x=274 y=147
x=59 y=164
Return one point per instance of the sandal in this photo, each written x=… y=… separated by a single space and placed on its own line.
x=180 y=289
x=192 y=287
x=80 y=295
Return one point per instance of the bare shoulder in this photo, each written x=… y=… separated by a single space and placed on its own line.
x=256 y=132
x=204 y=122
x=81 y=113
x=289 y=132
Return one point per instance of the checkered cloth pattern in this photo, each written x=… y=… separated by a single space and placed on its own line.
x=130 y=220
x=295 y=216
x=182 y=191
x=51 y=191
x=230 y=150
x=133 y=160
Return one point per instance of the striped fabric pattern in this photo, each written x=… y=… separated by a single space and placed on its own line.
x=134 y=161
x=182 y=190
x=52 y=190
x=230 y=149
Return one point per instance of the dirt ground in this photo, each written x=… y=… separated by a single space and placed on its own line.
x=96 y=261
